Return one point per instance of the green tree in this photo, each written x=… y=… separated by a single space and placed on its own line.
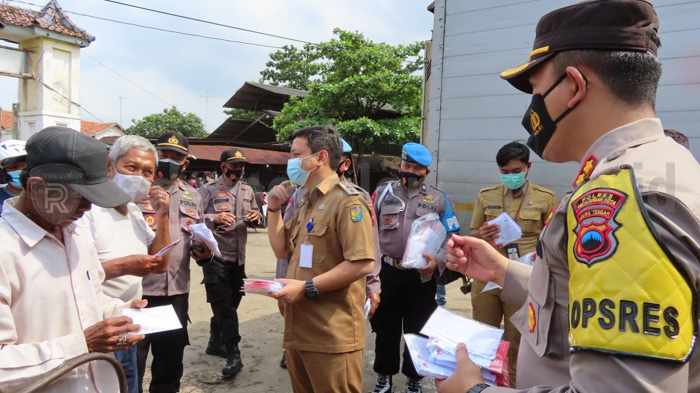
x=292 y=67
x=356 y=79
x=170 y=120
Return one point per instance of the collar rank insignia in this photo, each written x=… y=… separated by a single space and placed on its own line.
x=586 y=170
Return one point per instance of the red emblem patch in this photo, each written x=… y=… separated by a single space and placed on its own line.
x=551 y=214
x=150 y=220
x=595 y=213
x=148 y=207
x=387 y=220
x=189 y=222
x=586 y=170
x=190 y=212
x=531 y=319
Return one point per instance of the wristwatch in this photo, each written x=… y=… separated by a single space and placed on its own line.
x=310 y=290
x=478 y=388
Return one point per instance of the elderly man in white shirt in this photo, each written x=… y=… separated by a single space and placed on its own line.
x=52 y=307
x=122 y=237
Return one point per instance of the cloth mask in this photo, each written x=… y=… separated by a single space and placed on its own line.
x=168 y=169
x=55 y=203
x=410 y=180
x=538 y=123
x=513 y=180
x=234 y=174
x=297 y=175
x=14 y=178
x=136 y=186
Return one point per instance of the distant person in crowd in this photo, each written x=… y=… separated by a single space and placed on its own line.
x=529 y=205
x=230 y=207
x=173 y=286
x=124 y=242
x=52 y=307
x=330 y=248
x=678 y=136
x=12 y=157
x=408 y=295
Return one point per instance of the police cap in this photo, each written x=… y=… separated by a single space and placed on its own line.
x=232 y=155
x=614 y=25
x=173 y=141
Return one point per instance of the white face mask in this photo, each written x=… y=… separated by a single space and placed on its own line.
x=136 y=186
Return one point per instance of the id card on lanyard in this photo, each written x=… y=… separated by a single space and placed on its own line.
x=512 y=249
x=306 y=253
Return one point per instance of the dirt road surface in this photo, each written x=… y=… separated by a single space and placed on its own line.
x=261 y=328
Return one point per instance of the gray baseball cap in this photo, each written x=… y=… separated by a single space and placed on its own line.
x=63 y=155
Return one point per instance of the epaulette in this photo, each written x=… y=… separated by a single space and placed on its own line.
x=181 y=184
x=350 y=190
x=545 y=190
x=490 y=188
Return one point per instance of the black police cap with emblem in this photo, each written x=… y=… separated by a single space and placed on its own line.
x=173 y=141
x=614 y=25
x=232 y=155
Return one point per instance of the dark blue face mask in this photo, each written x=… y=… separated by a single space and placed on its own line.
x=537 y=121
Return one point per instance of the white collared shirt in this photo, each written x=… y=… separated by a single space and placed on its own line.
x=49 y=294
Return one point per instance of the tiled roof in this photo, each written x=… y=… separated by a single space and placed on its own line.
x=90 y=128
x=51 y=18
x=5 y=120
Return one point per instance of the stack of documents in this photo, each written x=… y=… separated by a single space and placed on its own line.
x=508 y=230
x=435 y=356
x=261 y=287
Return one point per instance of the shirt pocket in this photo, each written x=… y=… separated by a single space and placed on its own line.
x=389 y=217
x=316 y=237
x=530 y=221
x=490 y=213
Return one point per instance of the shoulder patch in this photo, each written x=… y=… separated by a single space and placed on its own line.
x=348 y=189
x=356 y=213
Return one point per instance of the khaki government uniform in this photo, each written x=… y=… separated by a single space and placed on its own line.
x=325 y=336
x=667 y=177
x=532 y=206
x=171 y=288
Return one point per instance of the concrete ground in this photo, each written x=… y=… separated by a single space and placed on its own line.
x=262 y=328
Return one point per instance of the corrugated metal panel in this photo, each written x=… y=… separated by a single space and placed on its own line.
x=473 y=112
x=253 y=156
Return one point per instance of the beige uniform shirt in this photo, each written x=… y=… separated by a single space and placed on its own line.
x=668 y=179
x=373 y=281
x=218 y=197
x=50 y=291
x=185 y=209
x=532 y=206
x=336 y=221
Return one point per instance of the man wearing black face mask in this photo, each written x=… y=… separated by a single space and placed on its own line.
x=610 y=304
x=173 y=286
x=230 y=208
x=408 y=299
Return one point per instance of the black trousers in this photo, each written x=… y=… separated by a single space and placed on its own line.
x=223 y=281
x=405 y=307
x=167 y=348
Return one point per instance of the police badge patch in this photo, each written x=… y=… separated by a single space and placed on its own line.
x=595 y=213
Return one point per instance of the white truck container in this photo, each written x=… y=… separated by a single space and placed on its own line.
x=472 y=112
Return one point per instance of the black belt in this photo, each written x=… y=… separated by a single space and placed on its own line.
x=395 y=262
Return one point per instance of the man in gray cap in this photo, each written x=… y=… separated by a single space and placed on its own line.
x=610 y=304
x=51 y=303
x=230 y=208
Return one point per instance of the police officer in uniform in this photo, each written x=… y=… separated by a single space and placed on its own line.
x=610 y=304
x=407 y=301
x=529 y=205
x=230 y=207
x=330 y=248
x=173 y=286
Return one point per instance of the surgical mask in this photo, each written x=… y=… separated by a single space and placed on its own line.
x=297 y=175
x=14 y=178
x=234 y=174
x=410 y=180
x=168 y=169
x=513 y=180
x=136 y=186
x=55 y=203
x=538 y=123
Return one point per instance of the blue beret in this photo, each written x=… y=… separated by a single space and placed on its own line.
x=346 y=146
x=416 y=153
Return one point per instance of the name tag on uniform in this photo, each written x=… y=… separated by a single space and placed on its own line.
x=306 y=255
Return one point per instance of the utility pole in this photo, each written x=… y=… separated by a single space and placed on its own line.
x=121 y=123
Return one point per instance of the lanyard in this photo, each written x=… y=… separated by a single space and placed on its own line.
x=523 y=195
